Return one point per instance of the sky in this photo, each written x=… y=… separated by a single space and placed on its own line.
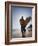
x=17 y=13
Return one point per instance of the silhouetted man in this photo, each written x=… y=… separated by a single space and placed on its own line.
x=23 y=24
x=22 y=21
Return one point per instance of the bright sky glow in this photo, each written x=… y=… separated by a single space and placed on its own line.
x=17 y=13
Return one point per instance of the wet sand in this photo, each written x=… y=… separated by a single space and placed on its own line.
x=18 y=34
